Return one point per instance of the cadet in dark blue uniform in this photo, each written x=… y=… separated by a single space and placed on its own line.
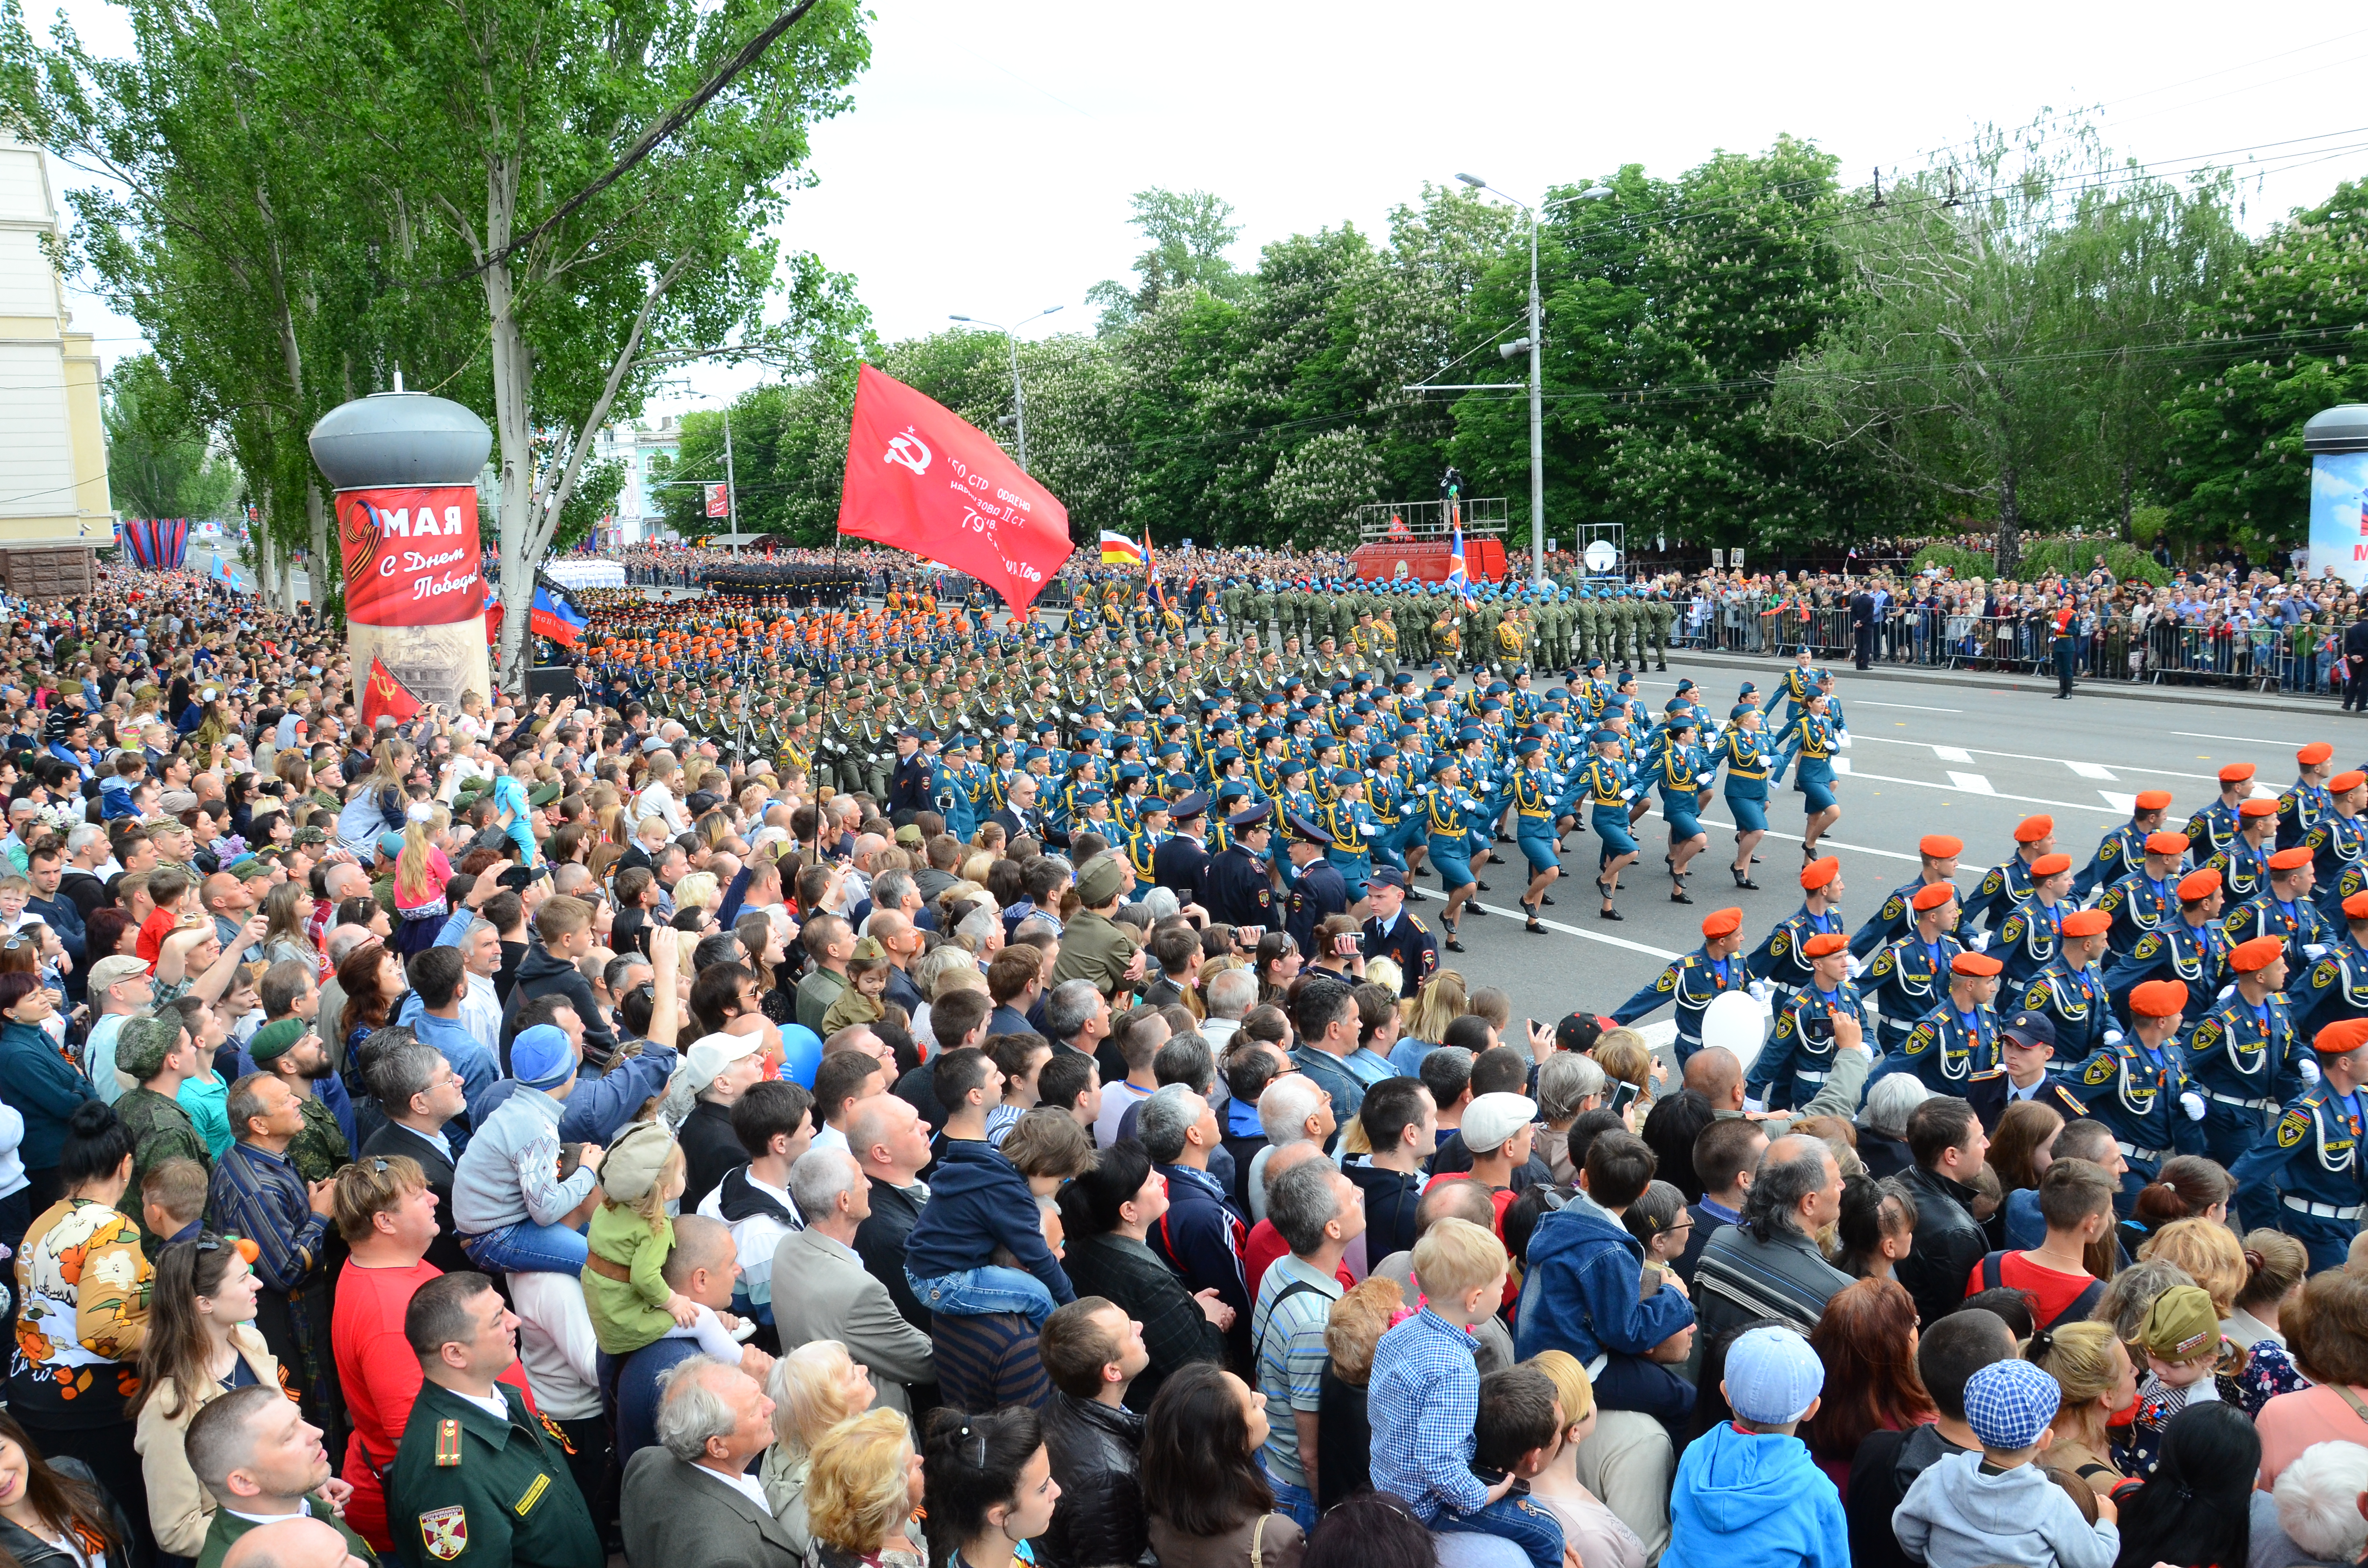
x=2336 y=988
x=2245 y=863
x=2214 y=828
x=1318 y=892
x=2305 y=800
x=1780 y=960
x=2338 y=844
x=2134 y=1086
x=2027 y=939
x=1909 y=977
x=1742 y=749
x=1937 y=853
x=2117 y=852
x=2308 y=1177
x=2148 y=896
x=2070 y=991
x=1694 y=982
x=1240 y=893
x=1799 y=1055
x=2005 y=887
x=2285 y=910
x=1449 y=815
x=1536 y=791
x=1396 y=934
x=1956 y=1042
x=2245 y=1056
x=2191 y=949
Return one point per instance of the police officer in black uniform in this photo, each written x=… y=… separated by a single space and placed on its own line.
x=1395 y=932
x=1240 y=893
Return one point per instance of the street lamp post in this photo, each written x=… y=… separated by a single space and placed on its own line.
x=1535 y=344
x=1019 y=396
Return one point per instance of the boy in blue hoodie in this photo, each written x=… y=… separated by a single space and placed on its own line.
x=1747 y=1494
x=978 y=1201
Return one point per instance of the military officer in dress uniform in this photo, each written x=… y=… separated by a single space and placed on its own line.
x=2191 y=949
x=1241 y=892
x=2070 y=991
x=2148 y=896
x=1695 y=981
x=2337 y=986
x=1394 y=933
x=2285 y=910
x=2308 y=1177
x=2214 y=828
x=1908 y=978
x=2006 y=886
x=2133 y=1086
x=1937 y=854
x=1181 y=863
x=1317 y=889
x=2117 y=852
x=468 y=1485
x=1799 y=1054
x=1956 y=1042
x=2028 y=939
x=2245 y=1055
x=2305 y=800
x=1780 y=961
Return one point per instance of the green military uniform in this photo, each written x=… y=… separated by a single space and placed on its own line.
x=1663 y=614
x=160 y=1130
x=466 y=1487
x=1589 y=625
x=319 y=1151
x=227 y=1526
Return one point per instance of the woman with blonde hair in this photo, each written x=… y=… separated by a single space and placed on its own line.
x=699 y=890
x=1626 y=1059
x=863 y=1487
x=1345 y=1434
x=287 y=929
x=2210 y=1253
x=381 y=804
x=814 y=1388
x=2095 y=1378
x=656 y=796
x=1588 y=1527
x=1440 y=1003
x=421 y=873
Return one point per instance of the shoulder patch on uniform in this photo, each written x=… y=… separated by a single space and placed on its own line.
x=445 y=1532
x=2324 y=975
x=448 y=1442
x=1919 y=1038
x=2148 y=945
x=2100 y=1071
x=1893 y=907
x=1669 y=980
x=1992 y=882
x=2037 y=995
x=2205 y=1033
x=2291 y=1128
x=1780 y=943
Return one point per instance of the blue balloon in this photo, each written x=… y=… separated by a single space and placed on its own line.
x=801 y=1054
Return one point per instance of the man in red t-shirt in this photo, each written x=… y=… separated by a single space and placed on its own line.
x=2075 y=1199
x=387 y=1215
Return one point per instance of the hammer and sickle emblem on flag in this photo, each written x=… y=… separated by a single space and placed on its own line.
x=900 y=450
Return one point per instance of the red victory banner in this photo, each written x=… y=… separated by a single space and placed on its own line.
x=385 y=697
x=718 y=501
x=411 y=555
x=921 y=479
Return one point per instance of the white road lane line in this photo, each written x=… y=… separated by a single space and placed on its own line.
x=2248 y=740
x=1971 y=783
x=1919 y=707
x=1994 y=795
x=2121 y=803
x=2028 y=756
x=2089 y=769
x=1609 y=942
x=1946 y=754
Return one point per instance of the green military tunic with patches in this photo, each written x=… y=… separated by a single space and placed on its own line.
x=467 y=1487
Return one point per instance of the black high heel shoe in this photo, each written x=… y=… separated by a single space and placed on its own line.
x=1741 y=881
x=1530 y=925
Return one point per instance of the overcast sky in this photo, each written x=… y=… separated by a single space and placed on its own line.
x=987 y=165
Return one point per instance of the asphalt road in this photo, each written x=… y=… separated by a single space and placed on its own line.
x=1924 y=758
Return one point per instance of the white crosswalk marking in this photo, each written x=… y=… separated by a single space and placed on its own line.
x=1971 y=783
x=1952 y=754
x=2120 y=802
x=2089 y=769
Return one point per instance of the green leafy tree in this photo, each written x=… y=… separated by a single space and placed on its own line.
x=1189 y=232
x=158 y=464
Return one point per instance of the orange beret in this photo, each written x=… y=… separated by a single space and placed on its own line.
x=1975 y=964
x=2166 y=844
x=2259 y=953
x=2336 y=1039
x=2258 y=806
x=1722 y=922
x=2031 y=830
x=2356 y=906
x=2314 y=754
x=2159 y=998
x=2343 y=782
x=2235 y=773
x=1939 y=845
x=2197 y=886
x=2088 y=922
x=1825 y=943
x=2293 y=859
x=1933 y=896
x=2153 y=801
x=2050 y=866
x=1818 y=873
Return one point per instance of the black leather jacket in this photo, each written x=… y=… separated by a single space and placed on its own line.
x=1098 y=1521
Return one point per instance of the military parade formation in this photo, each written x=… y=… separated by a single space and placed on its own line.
x=1280 y=755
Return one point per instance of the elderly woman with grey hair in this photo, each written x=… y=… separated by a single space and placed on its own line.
x=2312 y=1514
x=1882 y=1123
x=1569 y=1084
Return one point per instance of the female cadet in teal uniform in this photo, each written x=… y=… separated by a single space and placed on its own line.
x=1605 y=786
x=1449 y=815
x=1814 y=742
x=1534 y=814
x=1742 y=750
x=1682 y=775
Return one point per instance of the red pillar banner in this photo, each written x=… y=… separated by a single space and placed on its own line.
x=921 y=479
x=411 y=555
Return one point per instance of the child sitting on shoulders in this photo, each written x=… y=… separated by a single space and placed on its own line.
x=624 y=1286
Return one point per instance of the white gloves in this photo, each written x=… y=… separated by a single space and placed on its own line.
x=2314 y=950
x=2309 y=1069
x=2225 y=992
x=1760 y=990
x=1857 y=966
x=1752 y=1106
x=1845 y=738
x=2192 y=1104
x=1627 y=794
x=1370 y=830
x=1979 y=941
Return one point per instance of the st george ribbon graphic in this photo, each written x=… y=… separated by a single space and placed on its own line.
x=920 y=478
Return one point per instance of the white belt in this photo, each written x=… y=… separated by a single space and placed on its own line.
x=2240 y=1104
x=1811 y=1077
x=1595 y=1368
x=2323 y=1211
x=2134 y=1152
